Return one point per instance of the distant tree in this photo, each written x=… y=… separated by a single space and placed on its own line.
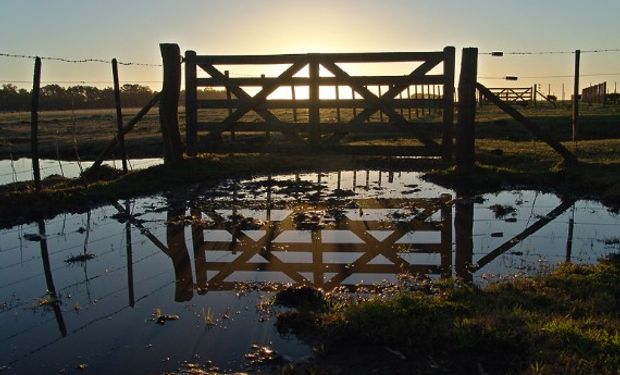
x=12 y=99
x=135 y=95
x=54 y=97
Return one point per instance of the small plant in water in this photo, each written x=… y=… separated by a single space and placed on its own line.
x=207 y=317
x=49 y=300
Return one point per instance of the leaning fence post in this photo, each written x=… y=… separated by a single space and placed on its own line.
x=34 y=123
x=465 y=131
x=119 y=115
x=169 y=103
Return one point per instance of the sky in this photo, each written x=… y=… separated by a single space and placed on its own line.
x=131 y=31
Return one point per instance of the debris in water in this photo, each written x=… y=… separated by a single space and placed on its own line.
x=502 y=210
x=161 y=318
x=261 y=354
x=34 y=237
x=164 y=318
x=80 y=258
x=81 y=366
x=301 y=298
x=396 y=353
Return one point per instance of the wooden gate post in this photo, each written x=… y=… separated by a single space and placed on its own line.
x=448 y=102
x=169 y=103
x=465 y=130
x=34 y=123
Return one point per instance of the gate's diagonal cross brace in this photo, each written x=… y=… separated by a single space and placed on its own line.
x=247 y=102
x=419 y=72
x=378 y=104
x=534 y=129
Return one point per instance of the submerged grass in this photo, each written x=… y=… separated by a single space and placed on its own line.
x=567 y=322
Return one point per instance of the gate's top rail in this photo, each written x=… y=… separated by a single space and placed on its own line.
x=370 y=57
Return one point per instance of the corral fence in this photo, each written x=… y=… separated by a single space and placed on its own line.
x=596 y=94
x=511 y=95
x=522 y=96
x=372 y=103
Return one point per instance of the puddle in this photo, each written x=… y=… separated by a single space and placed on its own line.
x=21 y=169
x=185 y=281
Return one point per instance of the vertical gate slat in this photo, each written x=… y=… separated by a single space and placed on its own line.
x=191 y=132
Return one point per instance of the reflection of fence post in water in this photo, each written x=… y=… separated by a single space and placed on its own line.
x=49 y=280
x=200 y=258
x=132 y=300
x=569 y=238
x=464 y=226
x=446 y=234
x=177 y=251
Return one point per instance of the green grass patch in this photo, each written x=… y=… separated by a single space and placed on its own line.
x=567 y=322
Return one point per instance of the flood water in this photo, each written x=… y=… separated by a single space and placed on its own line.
x=88 y=289
x=21 y=169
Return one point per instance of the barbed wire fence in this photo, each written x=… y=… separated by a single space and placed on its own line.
x=64 y=141
x=79 y=125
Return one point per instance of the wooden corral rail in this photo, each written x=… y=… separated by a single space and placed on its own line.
x=389 y=104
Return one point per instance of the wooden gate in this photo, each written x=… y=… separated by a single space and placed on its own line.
x=511 y=95
x=367 y=110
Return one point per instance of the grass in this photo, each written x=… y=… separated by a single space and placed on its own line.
x=506 y=157
x=567 y=322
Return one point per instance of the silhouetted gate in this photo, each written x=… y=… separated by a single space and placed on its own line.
x=309 y=121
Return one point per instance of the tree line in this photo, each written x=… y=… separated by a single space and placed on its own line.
x=56 y=97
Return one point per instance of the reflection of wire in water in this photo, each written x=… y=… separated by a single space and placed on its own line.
x=65 y=266
x=86 y=325
x=527 y=224
x=55 y=252
x=62 y=232
x=100 y=298
x=109 y=271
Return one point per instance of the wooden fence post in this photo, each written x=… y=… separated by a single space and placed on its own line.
x=119 y=115
x=34 y=123
x=465 y=131
x=576 y=96
x=169 y=103
x=191 y=133
x=448 y=102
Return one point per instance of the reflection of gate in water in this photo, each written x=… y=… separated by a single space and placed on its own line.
x=371 y=242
